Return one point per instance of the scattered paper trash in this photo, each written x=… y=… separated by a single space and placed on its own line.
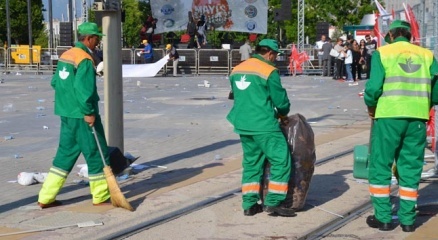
x=83 y=171
x=8 y=138
x=26 y=178
x=45 y=127
x=29 y=178
x=217 y=157
x=138 y=166
x=122 y=177
x=17 y=156
x=40 y=177
x=81 y=182
x=206 y=84
x=40 y=108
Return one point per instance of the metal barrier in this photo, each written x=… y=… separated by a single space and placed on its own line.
x=213 y=61
x=3 y=59
x=234 y=58
x=187 y=62
x=128 y=56
x=191 y=61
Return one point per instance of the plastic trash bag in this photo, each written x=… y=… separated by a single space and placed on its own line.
x=300 y=138
x=29 y=178
x=26 y=178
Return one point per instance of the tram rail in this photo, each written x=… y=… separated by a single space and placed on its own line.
x=136 y=229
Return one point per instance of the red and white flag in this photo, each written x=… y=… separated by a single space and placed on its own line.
x=382 y=11
x=415 y=29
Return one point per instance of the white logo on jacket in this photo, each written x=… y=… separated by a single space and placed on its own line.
x=63 y=74
x=242 y=84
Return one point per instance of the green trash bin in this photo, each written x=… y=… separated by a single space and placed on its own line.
x=361 y=156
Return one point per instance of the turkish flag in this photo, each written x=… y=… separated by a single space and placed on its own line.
x=415 y=29
x=376 y=29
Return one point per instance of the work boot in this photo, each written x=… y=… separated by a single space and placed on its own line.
x=55 y=203
x=253 y=210
x=374 y=223
x=407 y=228
x=280 y=211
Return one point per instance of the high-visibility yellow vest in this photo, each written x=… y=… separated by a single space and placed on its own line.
x=407 y=85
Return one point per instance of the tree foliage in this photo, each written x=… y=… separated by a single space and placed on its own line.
x=19 y=21
x=338 y=13
x=132 y=24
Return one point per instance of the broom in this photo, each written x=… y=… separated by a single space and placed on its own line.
x=117 y=197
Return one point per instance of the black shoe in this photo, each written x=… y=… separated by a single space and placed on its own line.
x=280 y=210
x=407 y=228
x=374 y=223
x=253 y=210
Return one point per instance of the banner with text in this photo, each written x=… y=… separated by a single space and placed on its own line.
x=222 y=15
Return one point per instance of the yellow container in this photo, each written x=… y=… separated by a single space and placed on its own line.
x=20 y=54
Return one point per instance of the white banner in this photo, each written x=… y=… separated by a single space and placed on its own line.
x=144 y=70
x=223 y=15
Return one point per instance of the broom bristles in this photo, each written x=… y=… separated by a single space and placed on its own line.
x=117 y=197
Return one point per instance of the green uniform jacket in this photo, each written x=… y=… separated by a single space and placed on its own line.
x=374 y=86
x=259 y=97
x=75 y=83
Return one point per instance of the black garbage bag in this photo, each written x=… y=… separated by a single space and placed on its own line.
x=300 y=138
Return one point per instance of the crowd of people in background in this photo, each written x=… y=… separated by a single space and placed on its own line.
x=345 y=60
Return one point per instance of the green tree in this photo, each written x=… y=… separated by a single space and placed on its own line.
x=133 y=22
x=19 y=20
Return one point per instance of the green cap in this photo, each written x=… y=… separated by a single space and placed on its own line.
x=89 y=28
x=397 y=24
x=272 y=44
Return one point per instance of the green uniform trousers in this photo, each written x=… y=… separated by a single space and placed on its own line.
x=77 y=137
x=402 y=141
x=256 y=148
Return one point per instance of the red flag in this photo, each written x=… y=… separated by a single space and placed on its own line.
x=393 y=13
x=415 y=29
x=376 y=29
x=293 y=61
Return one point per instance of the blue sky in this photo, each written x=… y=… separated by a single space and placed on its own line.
x=59 y=8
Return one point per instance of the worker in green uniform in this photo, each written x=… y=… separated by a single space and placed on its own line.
x=76 y=102
x=399 y=96
x=259 y=101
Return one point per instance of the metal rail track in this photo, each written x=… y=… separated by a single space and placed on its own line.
x=133 y=230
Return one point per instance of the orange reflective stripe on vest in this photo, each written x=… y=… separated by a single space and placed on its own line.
x=250 y=188
x=379 y=190
x=277 y=187
x=408 y=193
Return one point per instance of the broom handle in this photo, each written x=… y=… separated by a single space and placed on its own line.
x=98 y=145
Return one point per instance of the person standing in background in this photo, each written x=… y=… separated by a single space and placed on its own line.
x=318 y=48
x=348 y=60
x=339 y=72
x=326 y=57
x=148 y=52
x=202 y=28
x=245 y=51
x=173 y=56
x=355 y=66
x=191 y=31
x=371 y=46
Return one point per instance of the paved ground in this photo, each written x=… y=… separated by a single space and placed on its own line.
x=178 y=128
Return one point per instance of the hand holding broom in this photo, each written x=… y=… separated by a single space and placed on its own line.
x=117 y=197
